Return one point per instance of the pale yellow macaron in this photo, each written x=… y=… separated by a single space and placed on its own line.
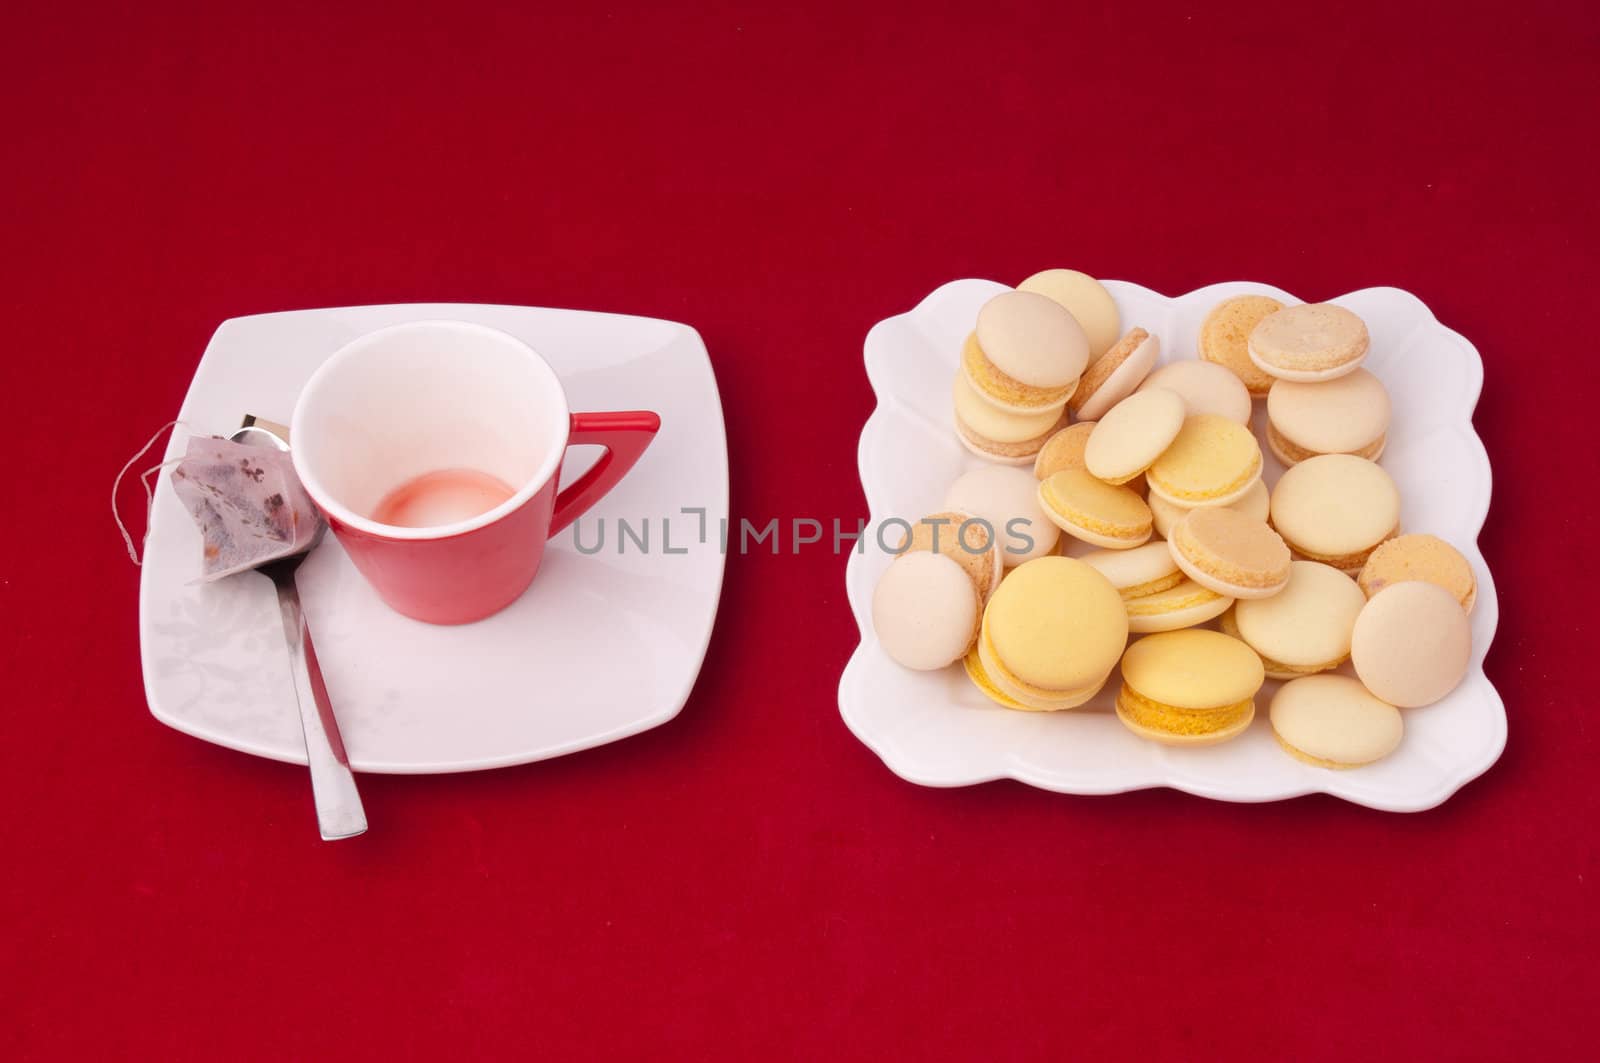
x=1230 y=553
x=1132 y=434
x=1063 y=450
x=1115 y=375
x=925 y=611
x=1211 y=462
x=972 y=663
x=1086 y=299
x=1205 y=387
x=1304 y=628
x=964 y=540
x=1335 y=508
x=1052 y=633
x=1423 y=557
x=996 y=434
x=1332 y=721
x=1412 y=643
x=1309 y=342
x=1255 y=502
x=1346 y=415
x=1026 y=353
x=1225 y=338
x=1110 y=516
x=1138 y=572
x=1008 y=500
x=1191 y=687
x=1184 y=604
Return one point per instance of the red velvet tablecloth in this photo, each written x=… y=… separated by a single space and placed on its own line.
x=749 y=881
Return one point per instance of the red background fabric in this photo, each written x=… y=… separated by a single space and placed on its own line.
x=749 y=880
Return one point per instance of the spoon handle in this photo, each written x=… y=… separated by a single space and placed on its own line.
x=333 y=786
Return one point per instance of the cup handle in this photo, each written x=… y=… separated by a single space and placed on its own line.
x=625 y=434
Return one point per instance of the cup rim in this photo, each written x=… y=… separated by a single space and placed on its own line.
x=349 y=518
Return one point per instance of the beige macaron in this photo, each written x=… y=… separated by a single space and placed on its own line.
x=1304 y=628
x=1424 y=557
x=1115 y=375
x=1225 y=551
x=1063 y=450
x=1008 y=499
x=1255 y=502
x=1412 y=643
x=1309 y=342
x=1086 y=299
x=1138 y=572
x=1225 y=338
x=1026 y=353
x=1205 y=387
x=1346 y=415
x=1332 y=721
x=1335 y=508
x=996 y=434
x=1133 y=434
x=925 y=611
x=964 y=539
x=1184 y=604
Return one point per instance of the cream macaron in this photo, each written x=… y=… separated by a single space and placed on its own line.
x=925 y=611
x=1255 y=502
x=1063 y=450
x=1114 y=375
x=1412 y=643
x=1225 y=551
x=1346 y=415
x=1308 y=343
x=1332 y=721
x=1138 y=572
x=1007 y=499
x=996 y=434
x=1110 y=516
x=1212 y=461
x=1225 y=338
x=1086 y=299
x=1424 y=557
x=1335 y=508
x=1026 y=353
x=1304 y=628
x=1133 y=434
x=1184 y=604
x=1205 y=387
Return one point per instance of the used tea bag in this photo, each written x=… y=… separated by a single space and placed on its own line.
x=246 y=501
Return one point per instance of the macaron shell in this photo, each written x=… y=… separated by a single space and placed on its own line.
x=1420 y=557
x=1412 y=643
x=1308 y=343
x=1032 y=339
x=1110 y=516
x=1225 y=338
x=1132 y=434
x=1256 y=502
x=1347 y=415
x=1205 y=387
x=1309 y=623
x=1192 y=669
x=1336 y=508
x=1001 y=495
x=1063 y=450
x=1230 y=553
x=1086 y=299
x=1211 y=461
x=1056 y=624
x=924 y=611
x=1180 y=606
x=1332 y=721
x=1115 y=375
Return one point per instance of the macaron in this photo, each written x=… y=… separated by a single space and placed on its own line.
x=1205 y=387
x=1412 y=643
x=1132 y=435
x=1052 y=633
x=1191 y=687
x=1225 y=338
x=1230 y=553
x=1332 y=721
x=996 y=434
x=972 y=664
x=1115 y=375
x=1309 y=342
x=1063 y=450
x=1110 y=516
x=1026 y=354
x=1304 y=628
x=1211 y=462
x=1086 y=299
x=1346 y=415
x=1255 y=502
x=1420 y=557
x=1335 y=508
x=1008 y=499
x=925 y=611
x=964 y=540
x=1184 y=604
x=1135 y=573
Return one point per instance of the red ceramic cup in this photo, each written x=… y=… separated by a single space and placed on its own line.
x=426 y=396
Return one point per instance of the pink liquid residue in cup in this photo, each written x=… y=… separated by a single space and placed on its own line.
x=442 y=497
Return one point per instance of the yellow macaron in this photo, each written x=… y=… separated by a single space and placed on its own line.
x=996 y=434
x=1184 y=604
x=1052 y=633
x=1190 y=687
x=1086 y=299
x=1109 y=516
x=1063 y=450
x=1211 y=462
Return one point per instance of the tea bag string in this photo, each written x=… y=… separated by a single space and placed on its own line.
x=149 y=490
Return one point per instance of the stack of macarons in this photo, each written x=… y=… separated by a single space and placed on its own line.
x=1172 y=538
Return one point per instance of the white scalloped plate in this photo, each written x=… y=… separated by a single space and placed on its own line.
x=935 y=729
